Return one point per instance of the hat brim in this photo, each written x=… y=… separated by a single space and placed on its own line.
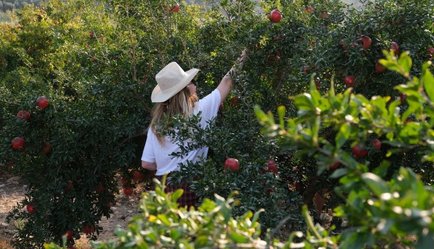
x=159 y=96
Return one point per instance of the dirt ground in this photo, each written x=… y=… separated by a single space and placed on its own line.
x=12 y=191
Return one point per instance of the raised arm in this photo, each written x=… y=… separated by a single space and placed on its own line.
x=226 y=83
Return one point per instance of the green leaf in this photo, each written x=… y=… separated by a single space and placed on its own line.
x=201 y=241
x=375 y=183
x=428 y=158
x=393 y=112
x=238 y=238
x=402 y=65
x=315 y=94
x=51 y=246
x=164 y=219
x=175 y=234
x=413 y=106
x=152 y=237
x=426 y=66
x=392 y=66
x=304 y=102
x=405 y=62
x=348 y=160
x=260 y=115
x=315 y=130
x=428 y=84
x=343 y=135
x=356 y=239
x=382 y=169
x=339 y=172
x=207 y=205
x=410 y=133
x=332 y=87
x=256 y=216
x=159 y=191
x=281 y=110
x=178 y=193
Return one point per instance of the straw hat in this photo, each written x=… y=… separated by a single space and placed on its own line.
x=171 y=80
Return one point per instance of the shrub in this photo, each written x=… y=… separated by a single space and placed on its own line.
x=162 y=224
x=378 y=213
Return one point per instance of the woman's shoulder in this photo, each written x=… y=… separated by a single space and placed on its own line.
x=150 y=133
x=209 y=104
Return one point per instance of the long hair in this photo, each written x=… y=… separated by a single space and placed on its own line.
x=180 y=104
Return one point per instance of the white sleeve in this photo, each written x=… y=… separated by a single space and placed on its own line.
x=148 y=154
x=209 y=106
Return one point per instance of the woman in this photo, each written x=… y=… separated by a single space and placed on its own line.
x=175 y=94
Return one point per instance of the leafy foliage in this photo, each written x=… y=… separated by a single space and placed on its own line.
x=163 y=224
x=377 y=212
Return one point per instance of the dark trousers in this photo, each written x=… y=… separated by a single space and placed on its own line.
x=188 y=198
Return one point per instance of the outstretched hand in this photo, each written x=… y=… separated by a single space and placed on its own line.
x=242 y=58
x=226 y=83
x=239 y=63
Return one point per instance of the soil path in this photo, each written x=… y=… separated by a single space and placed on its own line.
x=12 y=191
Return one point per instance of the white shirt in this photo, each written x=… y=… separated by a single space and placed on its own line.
x=157 y=153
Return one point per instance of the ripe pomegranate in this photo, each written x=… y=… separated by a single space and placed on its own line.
x=379 y=68
x=232 y=164
x=128 y=191
x=138 y=176
x=335 y=165
x=23 y=115
x=395 y=47
x=175 y=8
x=42 y=102
x=349 y=80
x=376 y=143
x=324 y=15
x=234 y=101
x=275 y=16
x=366 y=41
x=359 y=151
x=309 y=9
x=272 y=166
x=30 y=208
x=18 y=143
x=125 y=181
x=88 y=229
x=69 y=235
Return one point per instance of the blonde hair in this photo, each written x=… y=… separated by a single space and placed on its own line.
x=181 y=104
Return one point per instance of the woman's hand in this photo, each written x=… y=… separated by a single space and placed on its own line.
x=226 y=83
x=242 y=58
x=239 y=63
